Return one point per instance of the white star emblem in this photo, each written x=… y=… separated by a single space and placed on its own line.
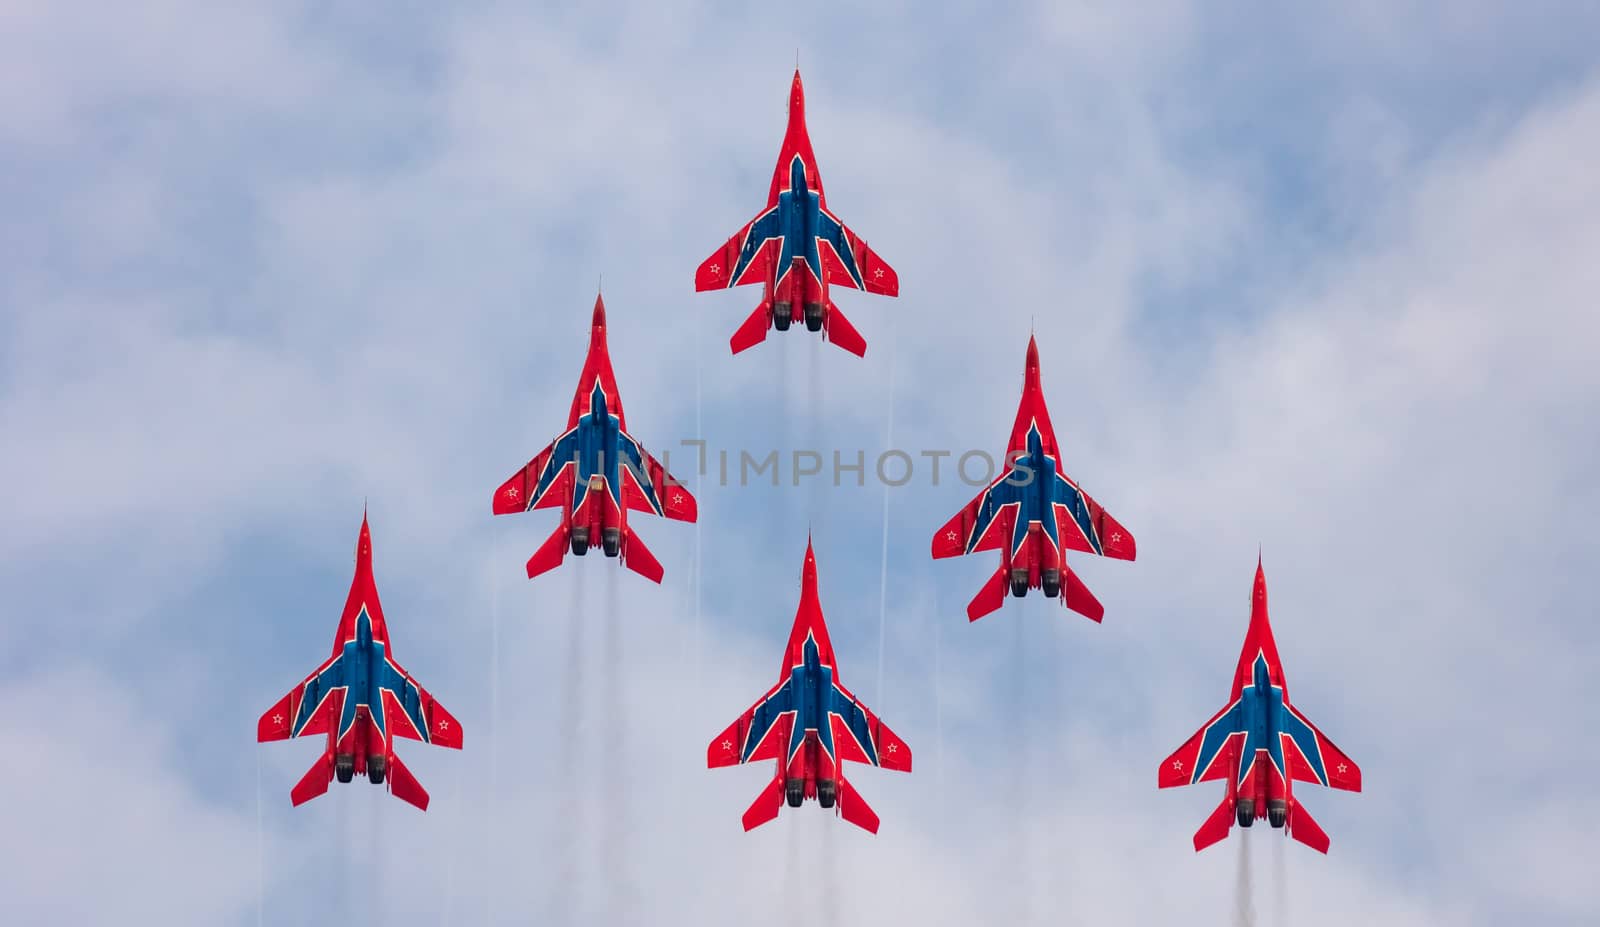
x=951 y=535
x=1116 y=537
x=1343 y=769
x=1177 y=765
x=511 y=492
x=716 y=269
x=278 y=719
x=677 y=498
x=727 y=745
x=878 y=272
x=892 y=748
x=444 y=725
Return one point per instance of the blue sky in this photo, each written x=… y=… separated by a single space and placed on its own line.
x=1322 y=283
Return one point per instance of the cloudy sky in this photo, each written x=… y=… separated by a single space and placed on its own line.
x=1321 y=282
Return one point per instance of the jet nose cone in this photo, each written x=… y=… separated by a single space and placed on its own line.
x=599 y=311
x=1033 y=353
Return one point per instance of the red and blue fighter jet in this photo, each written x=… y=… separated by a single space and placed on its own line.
x=362 y=700
x=809 y=723
x=1033 y=513
x=795 y=248
x=595 y=471
x=1260 y=743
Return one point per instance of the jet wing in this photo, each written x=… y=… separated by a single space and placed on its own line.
x=746 y=258
x=1210 y=754
x=543 y=483
x=311 y=707
x=410 y=712
x=984 y=524
x=848 y=261
x=761 y=733
x=1085 y=525
x=1312 y=757
x=648 y=487
x=859 y=736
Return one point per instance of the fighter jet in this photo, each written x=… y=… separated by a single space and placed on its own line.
x=795 y=248
x=809 y=723
x=595 y=471
x=362 y=699
x=1260 y=743
x=1033 y=513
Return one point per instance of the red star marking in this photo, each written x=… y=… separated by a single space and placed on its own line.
x=727 y=745
x=444 y=725
x=716 y=269
x=1177 y=765
x=1116 y=537
x=951 y=535
x=511 y=492
x=878 y=272
x=677 y=498
x=1343 y=769
x=278 y=719
x=892 y=748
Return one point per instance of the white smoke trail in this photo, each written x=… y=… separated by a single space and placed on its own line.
x=1244 y=911
x=261 y=852
x=938 y=700
x=700 y=497
x=1022 y=858
x=883 y=547
x=452 y=847
x=569 y=798
x=492 y=795
x=830 y=870
x=613 y=763
x=1280 y=883
x=794 y=881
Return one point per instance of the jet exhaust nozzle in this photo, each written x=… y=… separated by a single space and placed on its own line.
x=1246 y=811
x=1277 y=812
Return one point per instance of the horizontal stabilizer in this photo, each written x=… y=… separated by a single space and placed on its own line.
x=1076 y=596
x=842 y=333
x=754 y=329
x=853 y=809
x=637 y=557
x=314 y=782
x=1305 y=829
x=551 y=553
x=404 y=786
x=1216 y=827
x=990 y=597
x=766 y=805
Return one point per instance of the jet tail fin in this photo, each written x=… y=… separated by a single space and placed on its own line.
x=1076 y=596
x=766 y=805
x=754 y=329
x=637 y=557
x=404 y=786
x=314 y=782
x=1305 y=829
x=853 y=809
x=1216 y=827
x=990 y=597
x=843 y=334
x=551 y=553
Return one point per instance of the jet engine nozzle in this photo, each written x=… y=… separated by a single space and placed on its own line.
x=611 y=540
x=827 y=792
x=376 y=767
x=1277 y=812
x=344 y=766
x=794 y=792
x=1051 y=581
x=1246 y=811
x=1019 y=581
x=580 y=539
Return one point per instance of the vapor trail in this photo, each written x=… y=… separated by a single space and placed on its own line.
x=613 y=763
x=1022 y=861
x=569 y=803
x=453 y=842
x=261 y=853
x=1244 y=912
x=492 y=795
x=883 y=548
x=1280 y=885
